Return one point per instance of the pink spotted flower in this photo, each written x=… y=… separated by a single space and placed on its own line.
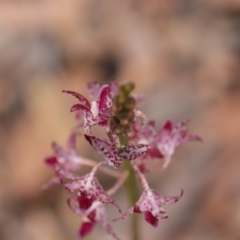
x=93 y=212
x=88 y=199
x=89 y=187
x=99 y=110
x=150 y=203
x=164 y=142
x=64 y=162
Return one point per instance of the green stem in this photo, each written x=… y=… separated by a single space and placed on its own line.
x=132 y=190
x=133 y=195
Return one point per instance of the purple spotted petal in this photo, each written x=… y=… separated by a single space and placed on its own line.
x=88 y=119
x=133 y=151
x=106 y=149
x=125 y=215
x=104 y=100
x=105 y=114
x=50 y=183
x=190 y=138
x=167 y=126
x=78 y=107
x=167 y=200
x=102 y=117
x=58 y=150
x=80 y=97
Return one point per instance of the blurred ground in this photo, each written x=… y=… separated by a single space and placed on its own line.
x=184 y=57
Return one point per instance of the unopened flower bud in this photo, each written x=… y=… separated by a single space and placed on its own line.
x=123 y=109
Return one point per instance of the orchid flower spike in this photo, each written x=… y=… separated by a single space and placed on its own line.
x=99 y=110
x=132 y=141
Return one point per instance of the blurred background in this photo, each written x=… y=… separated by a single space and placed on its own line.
x=184 y=57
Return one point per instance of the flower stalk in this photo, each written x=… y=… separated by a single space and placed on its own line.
x=133 y=195
x=132 y=190
x=123 y=106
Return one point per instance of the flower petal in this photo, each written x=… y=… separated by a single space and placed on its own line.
x=85 y=202
x=77 y=107
x=107 y=150
x=66 y=162
x=101 y=217
x=133 y=151
x=144 y=133
x=151 y=219
x=125 y=215
x=109 y=229
x=88 y=119
x=168 y=200
x=190 y=138
x=51 y=161
x=153 y=152
x=104 y=101
x=86 y=228
x=80 y=97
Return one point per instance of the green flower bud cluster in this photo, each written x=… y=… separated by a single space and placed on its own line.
x=123 y=109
